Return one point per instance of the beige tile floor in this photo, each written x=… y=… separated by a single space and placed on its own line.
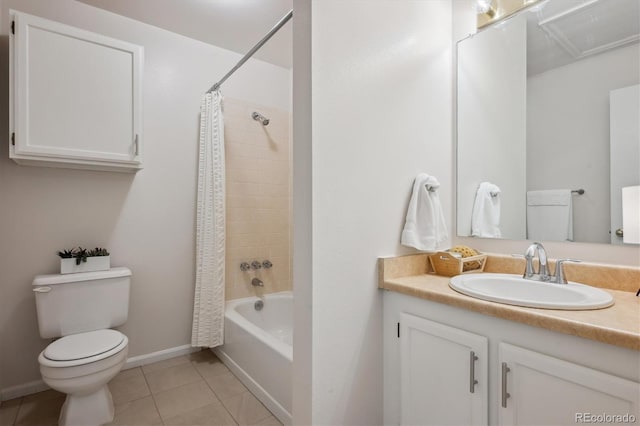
x=189 y=390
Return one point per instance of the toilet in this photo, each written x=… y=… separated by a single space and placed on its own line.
x=81 y=309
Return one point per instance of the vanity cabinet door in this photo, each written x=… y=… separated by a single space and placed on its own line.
x=443 y=374
x=75 y=97
x=541 y=390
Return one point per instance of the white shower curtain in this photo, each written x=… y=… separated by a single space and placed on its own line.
x=208 y=306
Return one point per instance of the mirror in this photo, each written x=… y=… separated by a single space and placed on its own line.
x=548 y=129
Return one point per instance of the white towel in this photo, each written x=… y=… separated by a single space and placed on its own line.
x=550 y=215
x=485 y=219
x=424 y=227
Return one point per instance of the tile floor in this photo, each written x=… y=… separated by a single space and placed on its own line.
x=196 y=389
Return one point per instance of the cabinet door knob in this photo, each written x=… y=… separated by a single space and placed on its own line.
x=472 y=371
x=505 y=394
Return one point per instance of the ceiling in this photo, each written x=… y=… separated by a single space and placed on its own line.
x=562 y=31
x=235 y=25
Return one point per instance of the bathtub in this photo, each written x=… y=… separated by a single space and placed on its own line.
x=258 y=349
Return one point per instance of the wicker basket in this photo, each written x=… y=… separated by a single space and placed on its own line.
x=443 y=263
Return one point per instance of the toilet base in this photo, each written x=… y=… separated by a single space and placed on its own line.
x=93 y=409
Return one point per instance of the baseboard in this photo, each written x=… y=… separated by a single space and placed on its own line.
x=22 y=390
x=136 y=361
x=152 y=357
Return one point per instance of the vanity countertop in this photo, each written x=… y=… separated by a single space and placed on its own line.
x=617 y=325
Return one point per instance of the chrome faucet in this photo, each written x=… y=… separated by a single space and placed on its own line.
x=543 y=269
x=257 y=282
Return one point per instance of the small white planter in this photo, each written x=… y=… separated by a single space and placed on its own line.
x=93 y=263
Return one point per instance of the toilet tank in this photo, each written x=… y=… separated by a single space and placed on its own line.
x=86 y=301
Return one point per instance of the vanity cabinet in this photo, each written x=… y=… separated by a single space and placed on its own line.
x=526 y=375
x=441 y=367
x=75 y=97
x=544 y=390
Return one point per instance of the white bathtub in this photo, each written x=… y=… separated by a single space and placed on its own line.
x=258 y=349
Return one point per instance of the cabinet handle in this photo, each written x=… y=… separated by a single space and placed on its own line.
x=505 y=394
x=135 y=141
x=472 y=371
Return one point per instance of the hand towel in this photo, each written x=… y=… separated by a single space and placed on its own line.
x=424 y=226
x=485 y=218
x=550 y=215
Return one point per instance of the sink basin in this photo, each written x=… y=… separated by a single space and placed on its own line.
x=515 y=290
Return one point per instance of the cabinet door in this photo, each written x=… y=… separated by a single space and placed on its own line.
x=76 y=95
x=439 y=369
x=541 y=390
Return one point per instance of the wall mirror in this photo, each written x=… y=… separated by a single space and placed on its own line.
x=548 y=124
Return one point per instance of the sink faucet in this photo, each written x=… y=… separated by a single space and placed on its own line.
x=543 y=270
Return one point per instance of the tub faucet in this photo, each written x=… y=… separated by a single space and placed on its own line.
x=257 y=282
x=543 y=270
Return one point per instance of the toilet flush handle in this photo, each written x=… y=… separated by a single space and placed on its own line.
x=43 y=289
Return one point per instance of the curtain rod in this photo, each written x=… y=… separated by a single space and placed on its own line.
x=253 y=50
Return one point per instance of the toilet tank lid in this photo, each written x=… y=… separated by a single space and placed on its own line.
x=54 y=279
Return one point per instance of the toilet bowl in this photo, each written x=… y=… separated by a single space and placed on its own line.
x=82 y=309
x=81 y=365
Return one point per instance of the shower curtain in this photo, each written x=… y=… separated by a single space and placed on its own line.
x=208 y=306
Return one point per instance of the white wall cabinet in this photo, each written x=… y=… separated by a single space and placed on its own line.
x=556 y=378
x=441 y=367
x=75 y=97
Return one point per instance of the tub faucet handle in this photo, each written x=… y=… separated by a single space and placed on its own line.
x=256 y=265
x=267 y=264
x=244 y=266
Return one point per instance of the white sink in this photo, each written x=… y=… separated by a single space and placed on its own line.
x=515 y=290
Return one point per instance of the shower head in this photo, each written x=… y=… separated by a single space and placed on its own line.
x=261 y=118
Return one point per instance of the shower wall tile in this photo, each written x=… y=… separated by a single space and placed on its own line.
x=243 y=175
x=281 y=202
x=258 y=173
x=243 y=189
x=237 y=201
x=273 y=190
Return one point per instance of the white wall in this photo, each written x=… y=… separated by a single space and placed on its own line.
x=147 y=221
x=568 y=133
x=302 y=264
x=463 y=24
x=381 y=114
x=492 y=100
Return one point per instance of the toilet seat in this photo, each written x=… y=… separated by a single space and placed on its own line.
x=83 y=348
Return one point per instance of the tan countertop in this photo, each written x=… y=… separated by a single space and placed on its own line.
x=617 y=325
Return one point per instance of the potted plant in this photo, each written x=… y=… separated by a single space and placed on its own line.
x=82 y=260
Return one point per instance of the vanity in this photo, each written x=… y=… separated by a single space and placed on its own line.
x=547 y=119
x=453 y=359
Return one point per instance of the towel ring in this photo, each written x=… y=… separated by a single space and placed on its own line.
x=430 y=188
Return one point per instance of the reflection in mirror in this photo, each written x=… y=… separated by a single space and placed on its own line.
x=549 y=117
